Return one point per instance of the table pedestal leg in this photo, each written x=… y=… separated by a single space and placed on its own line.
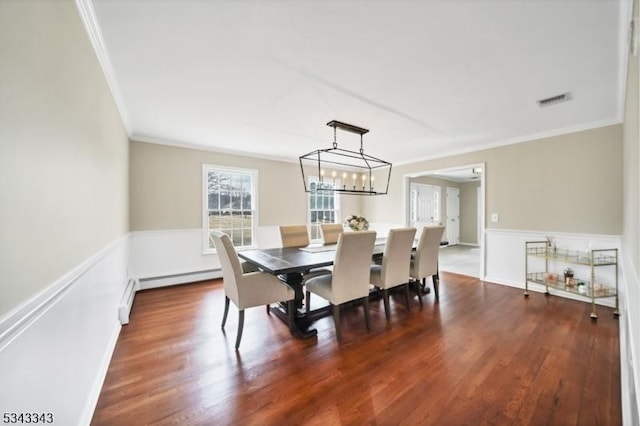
x=301 y=322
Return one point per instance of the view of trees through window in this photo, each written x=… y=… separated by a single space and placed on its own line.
x=230 y=208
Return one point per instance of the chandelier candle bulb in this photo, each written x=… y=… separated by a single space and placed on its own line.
x=321 y=175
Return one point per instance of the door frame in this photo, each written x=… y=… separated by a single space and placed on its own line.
x=406 y=194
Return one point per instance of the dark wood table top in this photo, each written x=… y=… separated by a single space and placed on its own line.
x=295 y=259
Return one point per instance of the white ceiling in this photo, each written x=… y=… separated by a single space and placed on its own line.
x=426 y=77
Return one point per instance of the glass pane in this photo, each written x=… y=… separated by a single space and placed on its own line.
x=331 y=202
x=225 y=200
x=315 y=232
x=214 y=220
x=237 y=238
x=246 y=201
x=214 y=200
x=247 y=217
x=236 y=182
x=236 y=200
x=213 y=181
x=246 y=183
x=224 y=181
x=332 y=217
x=246 y=237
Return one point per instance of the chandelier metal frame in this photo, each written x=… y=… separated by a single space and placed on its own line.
x=356 y=168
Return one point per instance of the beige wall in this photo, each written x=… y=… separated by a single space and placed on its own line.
x=567 y=183
x=63 y=149
x=166 y=188
x=469 y=212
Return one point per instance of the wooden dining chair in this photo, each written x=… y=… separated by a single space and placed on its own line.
x=349 y=279
x=394 y=270
x=330 y=232
x=294 y=235
x=247 y=290
x=425 y=260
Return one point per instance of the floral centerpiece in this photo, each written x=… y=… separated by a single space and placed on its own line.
x=356 y=223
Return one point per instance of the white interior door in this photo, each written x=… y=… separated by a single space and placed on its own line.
x=425 y=204
x=453 y=215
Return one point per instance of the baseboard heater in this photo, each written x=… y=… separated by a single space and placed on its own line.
x=149 y=282
x=126 y=303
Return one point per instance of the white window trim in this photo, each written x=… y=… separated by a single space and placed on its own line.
x=205 y=204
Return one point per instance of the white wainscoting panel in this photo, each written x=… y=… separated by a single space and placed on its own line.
x=630 y=344
x=56 y=348
x=164 y=258
x=505 y=257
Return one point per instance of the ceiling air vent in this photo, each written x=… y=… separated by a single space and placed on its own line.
x=555 y=99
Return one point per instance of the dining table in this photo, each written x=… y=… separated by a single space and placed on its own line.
x=291 y=264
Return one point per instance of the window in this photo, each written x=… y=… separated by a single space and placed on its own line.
x=230 y=205
x=323 y=207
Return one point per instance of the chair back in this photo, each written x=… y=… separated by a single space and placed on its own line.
x=396 y=260
x=331 y=232
x=294 y=235
x=351 y=266
x=230 y=263
x=426 y=256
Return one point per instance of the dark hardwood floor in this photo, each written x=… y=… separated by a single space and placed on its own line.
x=483 y=355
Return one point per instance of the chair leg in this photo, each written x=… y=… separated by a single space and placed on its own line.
x=385 y=297
x=240 y=326
x=365 y=305
x=226 y=311
x=436 y=284
x=336 y=321
x=268 y=310
x=307 y=305
x=291 y=309
x=419 y=293
x=406 y=296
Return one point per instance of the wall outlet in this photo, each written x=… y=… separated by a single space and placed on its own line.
x=494 y=217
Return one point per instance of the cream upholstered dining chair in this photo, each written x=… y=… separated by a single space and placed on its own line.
x=294 y=235
x=394 y=270
x=350 y=277
x=425 y=260
x=247 y=290
x=330 y=232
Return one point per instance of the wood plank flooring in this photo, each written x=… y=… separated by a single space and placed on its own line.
x=483 y=355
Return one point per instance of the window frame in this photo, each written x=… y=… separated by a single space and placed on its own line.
x=336 y=207
x=253 y=173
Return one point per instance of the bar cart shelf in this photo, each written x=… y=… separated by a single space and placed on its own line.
x=587 y=261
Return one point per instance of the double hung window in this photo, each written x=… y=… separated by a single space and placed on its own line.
x=229 y=205
x=323 y=206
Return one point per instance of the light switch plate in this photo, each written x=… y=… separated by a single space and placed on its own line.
x=494 y=217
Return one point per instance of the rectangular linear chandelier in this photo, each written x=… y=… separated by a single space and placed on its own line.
x=345 y=171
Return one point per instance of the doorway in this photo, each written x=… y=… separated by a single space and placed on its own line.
x=460 y=207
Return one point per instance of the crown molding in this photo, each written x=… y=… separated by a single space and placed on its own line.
x=88 y=16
